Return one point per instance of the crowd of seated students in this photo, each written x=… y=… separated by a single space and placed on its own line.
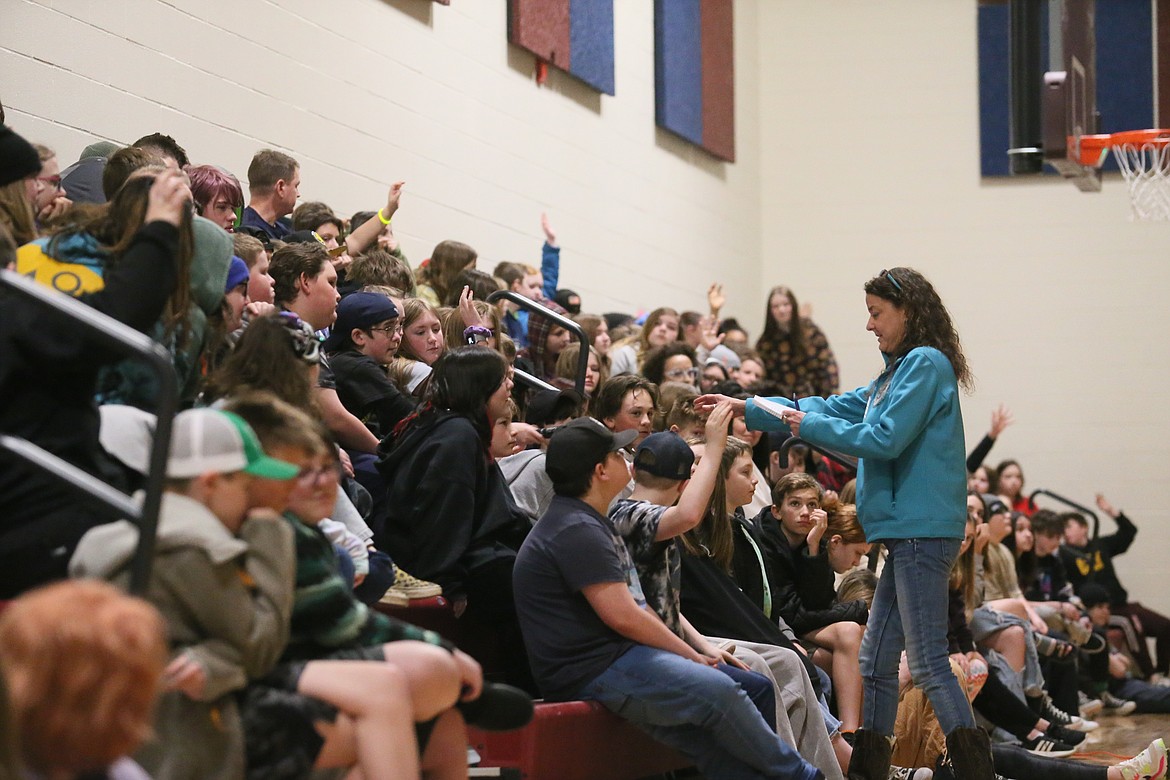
x=354 y=432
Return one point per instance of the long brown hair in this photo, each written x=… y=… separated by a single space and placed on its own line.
x=928 y=323
x=774 y=332
x=448 y=258
x=714 y=536
x=265 y=358
x=16 y=212
x=115 y=227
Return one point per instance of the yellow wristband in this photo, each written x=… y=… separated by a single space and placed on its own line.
x=382 y=219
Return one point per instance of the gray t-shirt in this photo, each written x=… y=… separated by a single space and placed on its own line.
x=571 y=548
x=657 y=562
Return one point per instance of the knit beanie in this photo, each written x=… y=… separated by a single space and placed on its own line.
x=18 y=159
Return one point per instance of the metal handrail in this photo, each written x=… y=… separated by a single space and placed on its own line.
x=844 y=460
x=560 y=319
x=1069 y=502
x=124 y=339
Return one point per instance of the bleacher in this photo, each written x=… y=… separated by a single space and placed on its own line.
x=574 y=740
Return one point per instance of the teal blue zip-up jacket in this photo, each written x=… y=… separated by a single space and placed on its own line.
x=908 y=433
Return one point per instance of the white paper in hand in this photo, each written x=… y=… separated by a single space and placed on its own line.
x=771 y=407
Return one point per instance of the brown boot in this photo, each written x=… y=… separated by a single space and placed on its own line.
x=871 y=756
x=969 y=752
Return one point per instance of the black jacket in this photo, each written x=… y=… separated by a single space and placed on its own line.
x=715 y=606
x=1094 y=562
x=449 y=509
x=802 y=584
x=48 y=377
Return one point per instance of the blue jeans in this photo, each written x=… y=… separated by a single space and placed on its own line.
x=700 y=712
x=910 y=612
x=759 y=689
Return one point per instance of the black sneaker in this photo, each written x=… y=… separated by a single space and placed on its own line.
x=1043 y=745
x=1067 y=736
x=499 y=708
x=1044 y=707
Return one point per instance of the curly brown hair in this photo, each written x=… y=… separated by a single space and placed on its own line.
x=928 y=323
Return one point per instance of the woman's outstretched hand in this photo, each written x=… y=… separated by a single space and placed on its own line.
x=705 y=404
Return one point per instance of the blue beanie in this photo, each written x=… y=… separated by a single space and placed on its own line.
x=237 y=274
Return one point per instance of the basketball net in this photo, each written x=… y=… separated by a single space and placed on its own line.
x=1143 y=156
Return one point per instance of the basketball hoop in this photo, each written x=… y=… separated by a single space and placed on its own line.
x=1144 y=159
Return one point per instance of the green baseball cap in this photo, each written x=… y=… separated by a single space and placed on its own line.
x=206 y=440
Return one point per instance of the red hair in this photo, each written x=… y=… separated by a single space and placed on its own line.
x=84 y=663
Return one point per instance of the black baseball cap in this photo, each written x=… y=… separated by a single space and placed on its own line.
x=581 y=444
x=665 y=455
x=546 y=407
x=995 y=504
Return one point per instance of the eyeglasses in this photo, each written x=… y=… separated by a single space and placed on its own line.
x=307 y=476
x=389 y=330
x=890 y=276
x=52 y=181
x=679 y=373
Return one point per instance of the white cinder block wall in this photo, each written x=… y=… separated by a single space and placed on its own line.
x=871 y=159
x=857 y=136
x=364 y=92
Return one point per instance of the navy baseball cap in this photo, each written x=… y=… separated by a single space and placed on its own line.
x=665 y=455
x=358 y=310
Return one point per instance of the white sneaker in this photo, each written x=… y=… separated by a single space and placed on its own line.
x=906 y=773
x=1150 y=764
x=1089 y=707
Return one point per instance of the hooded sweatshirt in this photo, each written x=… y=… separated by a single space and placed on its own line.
x=227 y=602
x=449 y=508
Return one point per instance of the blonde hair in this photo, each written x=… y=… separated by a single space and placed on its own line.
x=84 y=664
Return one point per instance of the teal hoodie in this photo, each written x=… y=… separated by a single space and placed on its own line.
x=912 y=478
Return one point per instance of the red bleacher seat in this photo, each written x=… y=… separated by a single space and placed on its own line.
x=576 y=740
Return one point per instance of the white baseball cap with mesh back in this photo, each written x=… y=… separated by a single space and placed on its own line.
x=208 y=440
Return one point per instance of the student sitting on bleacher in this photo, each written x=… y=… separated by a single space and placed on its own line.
x=452 y=520
x=48 y=375
x=222 y=578
x=588 y=637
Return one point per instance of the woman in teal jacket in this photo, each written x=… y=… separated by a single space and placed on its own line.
x=907 y=429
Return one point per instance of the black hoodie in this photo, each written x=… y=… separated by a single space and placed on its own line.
x=448 y=507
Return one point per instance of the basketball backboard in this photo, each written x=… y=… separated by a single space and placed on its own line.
x=1070 y=90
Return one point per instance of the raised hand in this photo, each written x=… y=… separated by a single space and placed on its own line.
x=717 y=424
x=467 y=311
x=710 y=337
x=1000 y=419
x=392 y=198
x=1104 y=505
x=716 y=298
x=550 y=235
x=168 y=198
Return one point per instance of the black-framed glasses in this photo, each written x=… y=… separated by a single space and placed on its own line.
x=893 y=281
